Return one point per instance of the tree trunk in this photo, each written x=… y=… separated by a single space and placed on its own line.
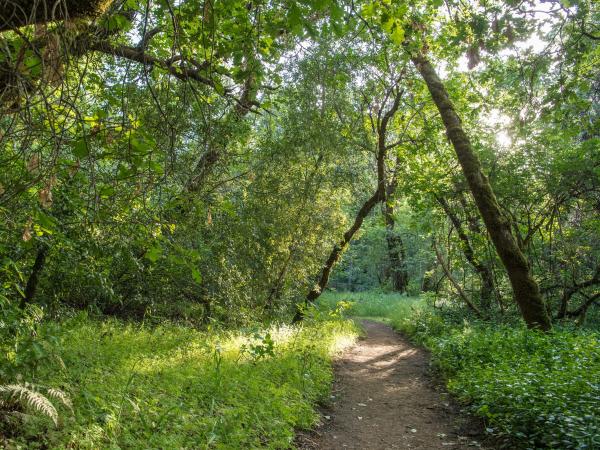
x=18 y=13
x=525 y=289
x=34 y=277
x=396 y=253
x=379 y=195
x=484 y=272
x=568 y=292
x=337 y=251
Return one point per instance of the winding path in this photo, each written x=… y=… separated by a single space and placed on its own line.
x=384 y=399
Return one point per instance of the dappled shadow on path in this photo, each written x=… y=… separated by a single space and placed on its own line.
x=384 y=399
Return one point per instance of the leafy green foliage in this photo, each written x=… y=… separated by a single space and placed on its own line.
x=192 y=162
x=173 y=387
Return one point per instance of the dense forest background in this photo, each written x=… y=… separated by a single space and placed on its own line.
x=220 y=164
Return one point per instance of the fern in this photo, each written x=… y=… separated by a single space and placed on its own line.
x=60 y=396
x=28 y=396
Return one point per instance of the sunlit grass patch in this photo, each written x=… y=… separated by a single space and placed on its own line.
x=369 y=304
x=175 y=387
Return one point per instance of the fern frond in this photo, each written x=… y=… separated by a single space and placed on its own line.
x=30 y=398
x=60 y=396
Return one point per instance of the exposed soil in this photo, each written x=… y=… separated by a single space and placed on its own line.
x=383 y=398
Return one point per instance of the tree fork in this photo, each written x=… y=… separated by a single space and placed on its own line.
x=525 y=289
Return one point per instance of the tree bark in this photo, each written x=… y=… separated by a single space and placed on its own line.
x=18 y=13
x=484 y=272
x=396 y=253
x=572 y=290
x=582 y=310
x=34 y=277
x=525 y=289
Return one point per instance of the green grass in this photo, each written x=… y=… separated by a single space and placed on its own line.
x=536 y=390
x=368 y=304
x=174 y=387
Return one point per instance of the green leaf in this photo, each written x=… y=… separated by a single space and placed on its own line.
x=387 y=24
x=80 y=148
x=155 y=167
x=397 y=35
x=46 y=222
x=294 y=17
x=196 y=275
x=154 y=253
x=219 y=87
x=33 y=64
x=117 y=22
x=368 y=10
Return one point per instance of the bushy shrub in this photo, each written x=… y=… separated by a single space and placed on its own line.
x=538 y=390
x=541 y=389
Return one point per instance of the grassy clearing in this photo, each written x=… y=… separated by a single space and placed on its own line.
x=378 y=305
x=538 y=390
x=174 y=387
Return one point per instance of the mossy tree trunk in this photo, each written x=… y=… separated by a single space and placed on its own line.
x=525 y=289
x=18 y=13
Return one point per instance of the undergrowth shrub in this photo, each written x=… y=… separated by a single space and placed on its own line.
x=170 y=386
x=539 y=390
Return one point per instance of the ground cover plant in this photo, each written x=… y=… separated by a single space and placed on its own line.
x=169 y=386
x=369 y=304
x=537 y=390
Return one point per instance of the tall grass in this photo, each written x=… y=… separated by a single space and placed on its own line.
x=174 y=387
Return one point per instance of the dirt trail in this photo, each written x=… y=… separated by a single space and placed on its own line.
x=384 y=399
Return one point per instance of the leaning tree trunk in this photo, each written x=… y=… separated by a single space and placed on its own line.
x=525 y=289
x=338 y=249
x=34 y=276
x=484 y=272
x=453 y=281
x=367 y=207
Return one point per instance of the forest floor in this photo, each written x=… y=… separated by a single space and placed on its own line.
x=384 y=398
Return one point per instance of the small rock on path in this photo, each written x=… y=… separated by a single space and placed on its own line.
x=384 y=399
